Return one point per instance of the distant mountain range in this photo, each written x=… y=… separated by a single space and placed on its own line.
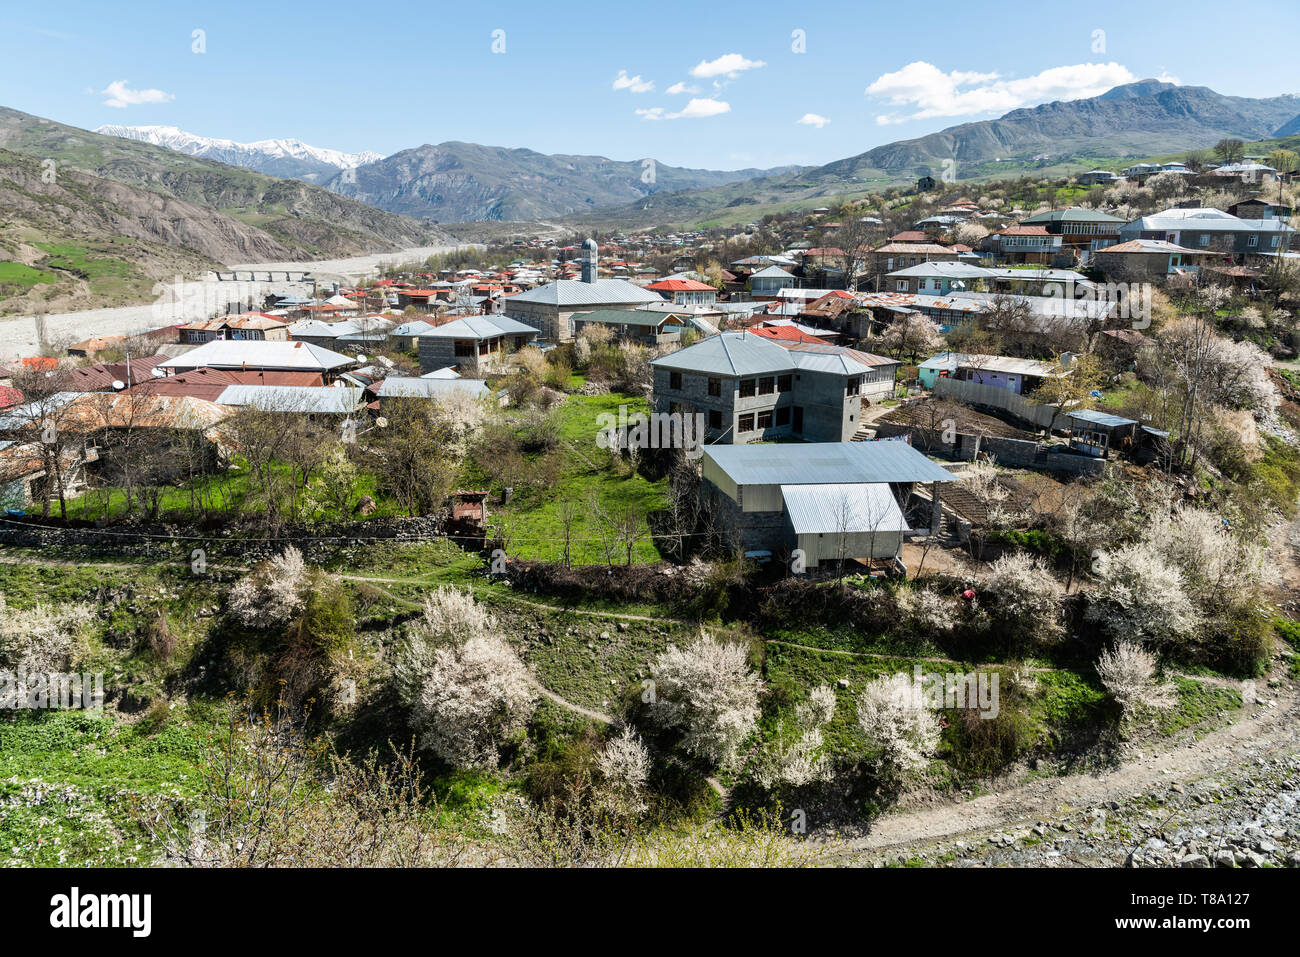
x=1140 y=119
x=106 y=216
x=462 y=182
x=465 y=182
x=289 y=158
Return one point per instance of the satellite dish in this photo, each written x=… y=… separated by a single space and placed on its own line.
x=118 y=385
x=381 y=422
x=361 y=358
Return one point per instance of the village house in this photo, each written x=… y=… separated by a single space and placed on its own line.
x=472 y=344
x=1212 y=230
x=767 y=283
x=633 y=325
x=1025 y=244
x=1144 y=259
x=549 y=309
x=836 y=502
x=1082 y=231
x=753 y=388
x=249 y=325
x=685 y=292
x=266 y=356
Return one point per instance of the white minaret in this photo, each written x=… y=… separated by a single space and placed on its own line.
x=590 y=252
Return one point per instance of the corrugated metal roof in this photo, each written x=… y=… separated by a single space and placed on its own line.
x=412 y=387
x=479 y=327
x=835 y=508
x=325 y=400
x=1101 y=418
x=730 y=353
x=575 y=292
x=825 y=463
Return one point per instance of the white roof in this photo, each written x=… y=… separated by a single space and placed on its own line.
x=413 y=387
x=259 y=354
x=448 y=373
x=832 y=509
x=479 y=327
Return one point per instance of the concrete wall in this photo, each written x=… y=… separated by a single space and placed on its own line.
x=1010 y=453
x=997 y=397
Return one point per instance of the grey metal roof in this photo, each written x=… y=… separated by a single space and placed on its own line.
x=575 y=292
x=730 y=353
x=479 y=327
x=413 y=387
x=835 y=508
x=325 y=400
x=772 y=272
x=1101 y=418
x=825 y=463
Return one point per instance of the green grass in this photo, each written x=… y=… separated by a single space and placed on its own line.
x=533 y=517
x=17 y=278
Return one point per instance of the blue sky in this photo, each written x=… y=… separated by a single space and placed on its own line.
x=691 y=83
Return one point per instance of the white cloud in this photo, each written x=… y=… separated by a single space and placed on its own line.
x=697 y=108
x=120 y=95
x=633 y=83
x=813 y=119
x=1166 y=77
x=681 y=87
x=929 y=92
x=730 y=65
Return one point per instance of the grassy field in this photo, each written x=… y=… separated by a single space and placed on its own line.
x=533 y=517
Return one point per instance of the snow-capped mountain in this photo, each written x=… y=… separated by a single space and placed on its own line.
x=281 y=157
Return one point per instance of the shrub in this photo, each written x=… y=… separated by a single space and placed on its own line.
x=708 y=692
x=899 y=728
x=39 y=638
x=1140 y=595
x=1128 y=673
x=1021 y=595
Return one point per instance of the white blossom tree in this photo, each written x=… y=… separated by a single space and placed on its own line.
x=1023 y=593
x=1142 y=596
x=896 y=724
x=708 y=692
x=467 y=689
x=40 y=638
x=272 y=593
x=624 y=765
x=1128 y=673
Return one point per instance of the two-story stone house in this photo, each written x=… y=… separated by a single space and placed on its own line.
x=754 y=389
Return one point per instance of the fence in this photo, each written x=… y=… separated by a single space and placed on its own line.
x=976 y=393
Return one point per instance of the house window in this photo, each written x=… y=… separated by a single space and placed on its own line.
x=746 y=388
x=715 y=385
x=784 y=383
x=745 y=423
x=765 y=419
x=901 y=285
x=1205 y=239
x=1254 y=241
x=674 y=380
x=854 y=386
x=465 y=348
x=767 y=385
x=783 y=415
x=715 y=419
